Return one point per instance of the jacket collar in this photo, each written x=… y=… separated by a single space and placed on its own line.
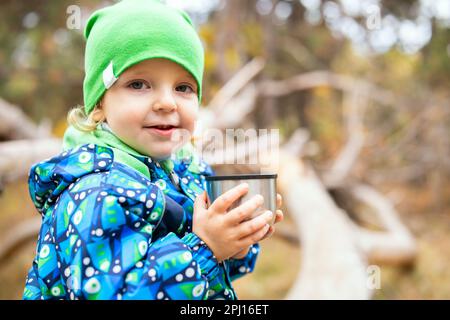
x=125 y=154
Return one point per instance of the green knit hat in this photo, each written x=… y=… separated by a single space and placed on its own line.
x=131 y=31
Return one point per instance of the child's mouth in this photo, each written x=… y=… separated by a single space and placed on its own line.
x=162 y=130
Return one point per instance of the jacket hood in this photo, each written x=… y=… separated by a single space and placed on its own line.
x=49 y=178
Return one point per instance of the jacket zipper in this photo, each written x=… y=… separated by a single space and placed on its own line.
x=175 y=180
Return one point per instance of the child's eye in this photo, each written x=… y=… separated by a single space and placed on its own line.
x=138 y=85
x=185 y=88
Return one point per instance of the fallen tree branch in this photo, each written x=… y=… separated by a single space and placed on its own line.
x=15 y=124
x=235 y=84
x=238 y=108
x=17 y=156
x=394 y=246
x=332 y=265
x=353 y=112
x=309 y=80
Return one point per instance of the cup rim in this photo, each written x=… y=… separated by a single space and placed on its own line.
x=247 y=176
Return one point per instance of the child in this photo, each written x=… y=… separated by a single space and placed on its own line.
x=124 y=208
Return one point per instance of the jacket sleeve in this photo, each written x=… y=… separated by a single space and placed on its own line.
x=239 y=267
x=107 y=251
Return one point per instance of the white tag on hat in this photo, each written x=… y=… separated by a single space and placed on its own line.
x=108 y=76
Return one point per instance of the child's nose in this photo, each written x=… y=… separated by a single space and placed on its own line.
x=164 y=101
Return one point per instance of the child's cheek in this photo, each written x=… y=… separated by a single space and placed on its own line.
x=190 y=115
x=132 y=116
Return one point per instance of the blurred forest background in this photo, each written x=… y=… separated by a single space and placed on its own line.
x=400 y=47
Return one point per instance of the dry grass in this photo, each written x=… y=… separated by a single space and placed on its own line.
x=14 y=271
x=429 y=278
x=275 y=271
x=16 y=206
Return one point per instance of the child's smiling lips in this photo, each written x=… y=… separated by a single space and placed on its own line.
x=164 y=130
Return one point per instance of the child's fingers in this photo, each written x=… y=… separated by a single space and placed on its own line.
x=254 y=237
x=224 y=201
x=245 y=210
x=279 y=216
x=269 y=233
x=279 y=200
x=200 y=202
x=252 y=226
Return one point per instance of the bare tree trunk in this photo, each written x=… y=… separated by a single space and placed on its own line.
x=268 y=112
x=228 y=27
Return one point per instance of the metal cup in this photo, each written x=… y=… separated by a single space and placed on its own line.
x=263 y=184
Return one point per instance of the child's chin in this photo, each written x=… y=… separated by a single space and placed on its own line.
x=161 y=153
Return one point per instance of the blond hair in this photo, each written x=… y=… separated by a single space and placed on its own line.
x=78 y=118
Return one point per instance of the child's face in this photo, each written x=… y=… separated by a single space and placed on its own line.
x=152 y=93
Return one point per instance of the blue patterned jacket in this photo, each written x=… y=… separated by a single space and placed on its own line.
x=110 y=232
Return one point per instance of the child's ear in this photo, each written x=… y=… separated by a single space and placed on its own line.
x=98 y=114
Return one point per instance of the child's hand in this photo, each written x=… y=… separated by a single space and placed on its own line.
x=227 y=233
x=279 y=217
